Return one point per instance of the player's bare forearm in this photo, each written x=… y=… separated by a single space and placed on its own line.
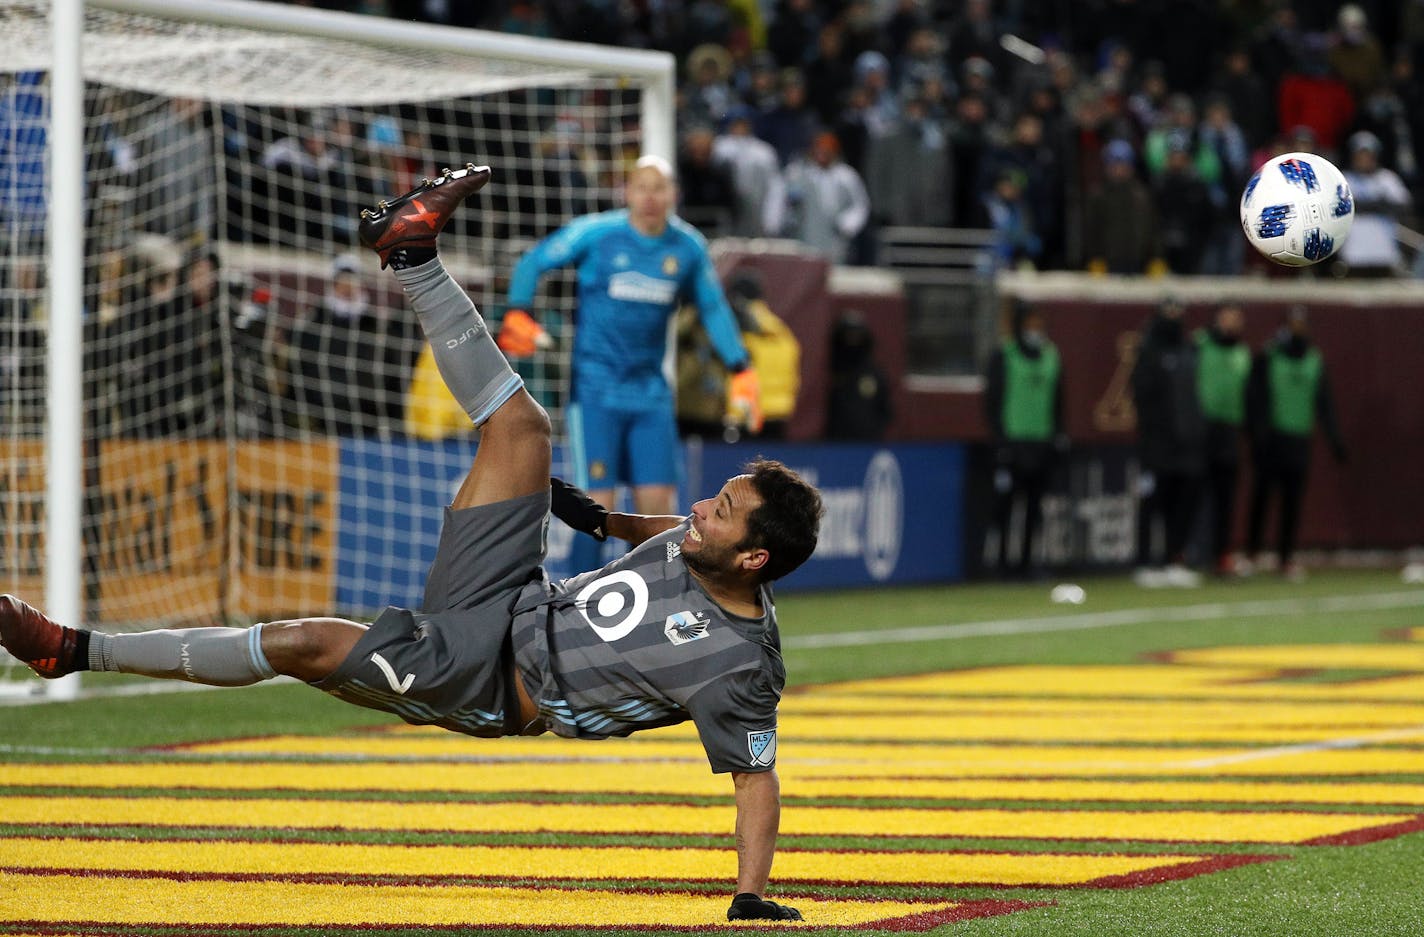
x=635 y=528
x=758 y=819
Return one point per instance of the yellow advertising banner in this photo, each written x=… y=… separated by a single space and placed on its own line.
x=185 y=530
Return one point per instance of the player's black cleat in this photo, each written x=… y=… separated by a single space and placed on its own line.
x=415 y=218
x=748 y=907
x=50 y=649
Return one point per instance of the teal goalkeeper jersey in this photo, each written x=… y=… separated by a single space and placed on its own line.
x=629 y=287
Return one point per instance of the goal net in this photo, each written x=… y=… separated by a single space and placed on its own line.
x=258 y=441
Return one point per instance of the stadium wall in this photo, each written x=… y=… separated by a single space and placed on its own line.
x=1371 y=334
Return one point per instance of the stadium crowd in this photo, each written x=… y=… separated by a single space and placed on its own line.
x=1111 y=135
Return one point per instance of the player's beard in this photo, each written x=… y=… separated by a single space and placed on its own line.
x=710 y=562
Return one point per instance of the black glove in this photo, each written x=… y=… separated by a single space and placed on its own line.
x=748 y=907
x=578 y=510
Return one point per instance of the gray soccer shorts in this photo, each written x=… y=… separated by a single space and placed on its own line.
x=450 y=664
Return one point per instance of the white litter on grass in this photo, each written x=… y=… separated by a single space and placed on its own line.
x=1067 y=593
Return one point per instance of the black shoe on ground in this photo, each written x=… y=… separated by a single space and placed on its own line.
x=50 y=649
x=415 y=218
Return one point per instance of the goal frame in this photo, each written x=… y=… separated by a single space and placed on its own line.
x=653 y=72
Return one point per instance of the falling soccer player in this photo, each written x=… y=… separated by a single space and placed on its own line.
x=682 y=627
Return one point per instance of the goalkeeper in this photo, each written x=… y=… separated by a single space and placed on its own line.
x=682 y=627
x=634 y=267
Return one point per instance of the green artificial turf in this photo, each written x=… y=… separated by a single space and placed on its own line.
x=1360 y=891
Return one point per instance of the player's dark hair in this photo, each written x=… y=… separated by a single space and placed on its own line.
x=788 y=520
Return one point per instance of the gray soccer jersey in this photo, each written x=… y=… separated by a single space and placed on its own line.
x=638 y=644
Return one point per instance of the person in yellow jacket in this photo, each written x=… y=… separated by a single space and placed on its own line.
x=702 y=379
x=431 y=411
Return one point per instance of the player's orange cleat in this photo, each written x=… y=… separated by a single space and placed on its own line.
x=520 y=336
x=415 y=218
x=50 y=649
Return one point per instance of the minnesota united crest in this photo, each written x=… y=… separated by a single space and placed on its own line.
x=685 y=627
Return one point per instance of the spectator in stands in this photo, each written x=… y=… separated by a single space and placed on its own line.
x=340 y=361
x=793 y=32
x=973 y=33
x=318 y=155
x=177 y=185
x=968 y=146
x=882 y=105
x=702 y=378
x=201 y=308
x=1381 y=199
x=1027 y=153
x=756 y=176
x=1186 y=208
x=760 y=92
x=827 y=202
x=22 y=344
x=790 y=125
x=1224 y=248
x=1120 y=229
x=1247 y=96
x=23 y=158
x=859 y=405
x=1356 y=55
x=1171 y=438
x=1009 y=216
x=921 y=62
x=148 y=343
x=774 y=350
x=1179 y=128
x=1287 y=397
x=708 y=95
x=1276 y=48
x=431 y=411
x=1023 y=405
x=908 y=173
x=829 y=75
x=709 y=197
x=1314 y=96
x=1223 y=367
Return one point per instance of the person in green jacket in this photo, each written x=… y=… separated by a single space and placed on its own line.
x=1023 y=399
x=1223 y=368
x=1287 y=396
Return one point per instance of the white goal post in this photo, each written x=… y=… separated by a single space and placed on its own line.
x=169 y=459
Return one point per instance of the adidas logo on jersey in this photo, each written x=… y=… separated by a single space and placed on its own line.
x=674 y=550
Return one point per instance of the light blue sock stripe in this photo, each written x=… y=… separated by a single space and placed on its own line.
x=578 y=452
x=506 y=390
x=255 y=656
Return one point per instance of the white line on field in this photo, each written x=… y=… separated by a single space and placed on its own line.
x=1304 y=748
x=1207 y=611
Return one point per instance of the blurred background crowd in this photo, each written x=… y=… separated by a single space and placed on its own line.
x=1109 y=135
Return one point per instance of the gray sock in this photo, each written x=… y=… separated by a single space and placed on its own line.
x=213 y=656
x=471 y=364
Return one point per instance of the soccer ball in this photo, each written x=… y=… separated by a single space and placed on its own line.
x=1297 y=209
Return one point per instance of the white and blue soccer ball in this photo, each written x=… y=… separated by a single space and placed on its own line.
x=1297 y=209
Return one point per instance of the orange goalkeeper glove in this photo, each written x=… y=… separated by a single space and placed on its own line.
x=744 y=399
x=520 y=336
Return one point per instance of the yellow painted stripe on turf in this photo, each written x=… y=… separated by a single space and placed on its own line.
x=1310 y=656
x=1164 y=826
x=1110 y=681
x=569 y=862
x=1147 y=727
x=129 y=901
x=688 y=781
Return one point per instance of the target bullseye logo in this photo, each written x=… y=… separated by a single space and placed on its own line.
x=615 y=604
